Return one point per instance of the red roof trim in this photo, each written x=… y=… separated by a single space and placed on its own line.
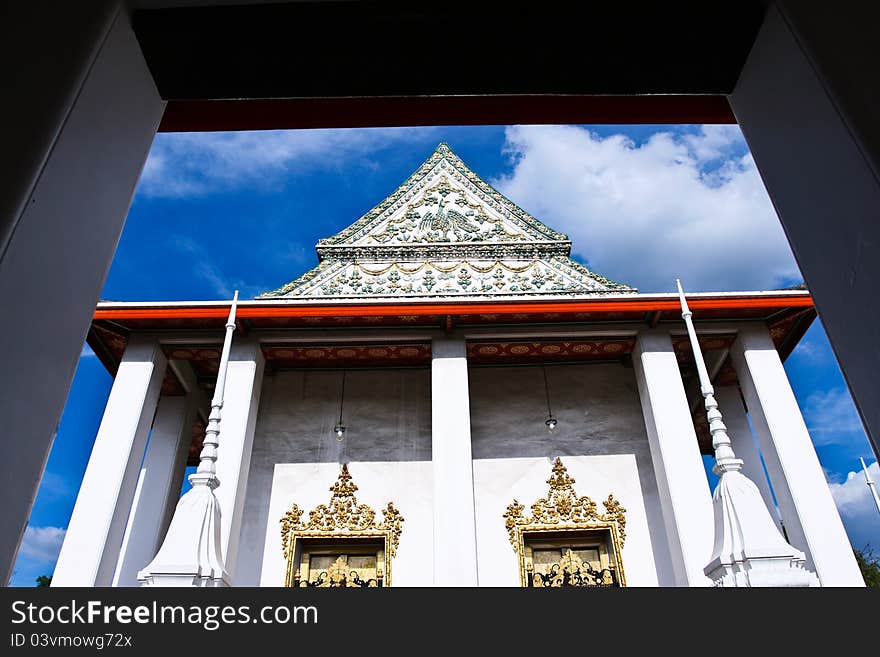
x=355 y=310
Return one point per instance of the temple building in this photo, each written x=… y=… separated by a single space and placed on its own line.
x=449 y=399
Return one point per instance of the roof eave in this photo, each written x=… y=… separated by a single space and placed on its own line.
x=599 y=298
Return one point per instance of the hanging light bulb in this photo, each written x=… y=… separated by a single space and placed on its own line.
x=550 y=422
x=339 y=429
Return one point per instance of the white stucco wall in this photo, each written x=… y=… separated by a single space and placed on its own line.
x=498 y=481
x=296 y=459
x=601 y=439
x=406 y=483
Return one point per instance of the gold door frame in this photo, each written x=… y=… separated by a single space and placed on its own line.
x=563 y=511
x=341 y=519
x=384 y=537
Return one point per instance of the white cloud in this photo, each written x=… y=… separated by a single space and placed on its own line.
x=193 y=164
x=42 y=544
x=807 y=349
x=857 y=508
x=831 y=416
x=713 y=141
x=689 y=206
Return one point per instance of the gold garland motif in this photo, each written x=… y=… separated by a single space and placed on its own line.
x=562 y=506
x=342 y=517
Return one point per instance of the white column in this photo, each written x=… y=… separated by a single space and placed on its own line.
x=744 y=445
x=678 y=467
x=158 y=486
x=244 y=382
x=809 y=514
x=87 y=112
x=455 y=541
x=91 y=546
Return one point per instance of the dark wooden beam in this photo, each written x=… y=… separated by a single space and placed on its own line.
x=452 y=48
x=797 y=332
x=377 y=111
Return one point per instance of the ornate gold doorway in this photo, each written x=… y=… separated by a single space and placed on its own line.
x=341 y=544
x=566 y=541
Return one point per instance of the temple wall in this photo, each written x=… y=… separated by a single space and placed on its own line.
x=296 y=459
x=601 y=438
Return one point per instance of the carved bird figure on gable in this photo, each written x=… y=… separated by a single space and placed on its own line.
x=447 y=220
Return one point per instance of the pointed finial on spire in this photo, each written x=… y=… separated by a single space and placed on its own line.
x=870 y=482
x=725 y=459
x=684 y=304
x=865 y=470
x=206 y=474
x=232 y=310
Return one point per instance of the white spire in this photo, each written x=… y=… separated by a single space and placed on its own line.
x=190 y=554
x=725 y=459
x=207 y=471
x=749 y=550
x=870 y=483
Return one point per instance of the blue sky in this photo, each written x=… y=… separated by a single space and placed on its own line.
x=643 y=205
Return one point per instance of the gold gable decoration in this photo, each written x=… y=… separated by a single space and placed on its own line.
x=564 y=511
x=343 y=517
x=563 y=507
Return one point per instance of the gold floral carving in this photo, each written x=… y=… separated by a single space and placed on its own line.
x=572 y=565
x=564 y=510
x=562 y=507
x=342 y=517
x=337 y=572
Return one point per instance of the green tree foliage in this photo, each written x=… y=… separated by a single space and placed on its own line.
x=869 y=564
x=44 y=580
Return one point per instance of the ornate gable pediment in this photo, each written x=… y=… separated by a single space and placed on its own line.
x=446 y=232
x=443 y=202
